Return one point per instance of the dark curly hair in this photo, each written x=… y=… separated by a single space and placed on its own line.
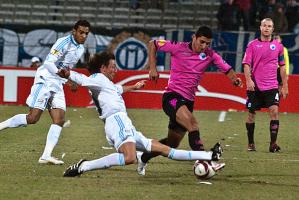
x=96 y=61
x=81 y=22
x=204 y=31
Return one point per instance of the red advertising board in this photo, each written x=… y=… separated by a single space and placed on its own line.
x=215 y=91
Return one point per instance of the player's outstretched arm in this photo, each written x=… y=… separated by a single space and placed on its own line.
x=136 y=86
x=152 y=61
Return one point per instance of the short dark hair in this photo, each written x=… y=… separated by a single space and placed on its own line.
x=81 y=22
x=204 y=31
x=97 y=60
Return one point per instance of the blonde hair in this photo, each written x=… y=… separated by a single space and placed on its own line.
x=267 y=19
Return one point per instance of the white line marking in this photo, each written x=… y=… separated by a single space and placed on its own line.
x=103 y=147
x=205 y=182
x=222 y=116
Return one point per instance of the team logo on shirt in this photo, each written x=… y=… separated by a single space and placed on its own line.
x=161 y=43
x=202 y=56
x=272 y=47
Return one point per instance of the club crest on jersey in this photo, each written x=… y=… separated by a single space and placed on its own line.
x=272 y=47
x=202 y=56
x=161 y=43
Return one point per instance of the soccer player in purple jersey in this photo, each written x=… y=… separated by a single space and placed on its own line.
x=260 y=68
x=189 y=60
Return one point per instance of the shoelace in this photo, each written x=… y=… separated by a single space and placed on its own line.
x=74 y=166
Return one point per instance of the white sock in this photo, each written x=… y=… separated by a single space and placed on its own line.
x=15 y=121
x=52 y=139
x=114 y=159
x=176 y=154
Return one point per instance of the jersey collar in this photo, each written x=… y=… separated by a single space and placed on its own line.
x=265 y=41
x=74 y=41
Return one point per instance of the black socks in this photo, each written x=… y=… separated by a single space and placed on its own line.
x=250 y=132
x=194 y=141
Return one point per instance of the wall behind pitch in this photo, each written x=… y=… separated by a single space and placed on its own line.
x=18 y=44
x=214 y=93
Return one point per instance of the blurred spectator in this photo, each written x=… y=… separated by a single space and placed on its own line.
x=154 y=4
x=227 y=16
x=267 y=10
x=244 y=11
x=35 y=62
x=286 y=61
x=285 y=54
x=279 y=19
x=292 y=14
x=253 y=23
x=134 y=4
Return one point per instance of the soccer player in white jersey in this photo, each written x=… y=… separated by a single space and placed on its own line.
x=47 y=90
x=119 y=129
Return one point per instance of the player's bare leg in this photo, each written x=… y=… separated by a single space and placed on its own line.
x=186 y=119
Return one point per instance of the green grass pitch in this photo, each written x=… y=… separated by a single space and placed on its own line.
x=247 y=175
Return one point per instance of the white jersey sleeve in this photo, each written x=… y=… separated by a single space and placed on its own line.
x=56 y=52
x=83 y=80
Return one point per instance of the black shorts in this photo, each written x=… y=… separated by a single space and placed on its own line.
x=261 y=99
x=171 y=102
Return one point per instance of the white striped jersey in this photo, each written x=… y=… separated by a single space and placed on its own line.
x=106 y=94
x=66 y=52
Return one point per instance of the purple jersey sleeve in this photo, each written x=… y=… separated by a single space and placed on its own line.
x=220 y=63
x=166 y=46
x=248 y=55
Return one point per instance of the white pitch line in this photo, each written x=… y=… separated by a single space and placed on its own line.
x=222 y=116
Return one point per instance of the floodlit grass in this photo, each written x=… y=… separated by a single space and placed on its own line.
x=248 y=175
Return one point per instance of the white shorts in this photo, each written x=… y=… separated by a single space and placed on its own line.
x=119 y=130
x=41 y=97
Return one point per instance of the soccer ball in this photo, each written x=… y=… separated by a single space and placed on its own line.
x=203 y=170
